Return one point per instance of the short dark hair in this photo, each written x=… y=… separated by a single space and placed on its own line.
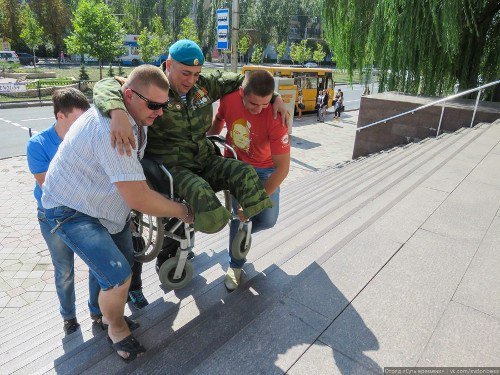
x=258 y=82
x=65 y=100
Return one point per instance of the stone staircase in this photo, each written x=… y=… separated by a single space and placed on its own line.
x=369 y=262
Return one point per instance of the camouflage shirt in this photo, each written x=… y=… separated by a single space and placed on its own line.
x=179 y=136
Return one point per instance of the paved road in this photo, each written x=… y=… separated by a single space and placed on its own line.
x=14 y=125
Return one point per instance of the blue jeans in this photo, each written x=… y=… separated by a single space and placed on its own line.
x=264 y=220
x=63 y=261
x=108 y=256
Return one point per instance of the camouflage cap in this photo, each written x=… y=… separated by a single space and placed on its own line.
x=186 y=52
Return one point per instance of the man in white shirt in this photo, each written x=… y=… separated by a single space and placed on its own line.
x=90 y=189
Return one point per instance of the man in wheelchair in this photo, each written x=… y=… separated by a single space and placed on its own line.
x=178 y=141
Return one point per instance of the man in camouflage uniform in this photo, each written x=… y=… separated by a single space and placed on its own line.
x=179 y=139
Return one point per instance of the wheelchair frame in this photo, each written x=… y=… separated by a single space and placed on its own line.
x=177 y=272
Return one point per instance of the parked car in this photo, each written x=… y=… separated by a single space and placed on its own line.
x=9 y=56
x=311 y=65
x=26 y=58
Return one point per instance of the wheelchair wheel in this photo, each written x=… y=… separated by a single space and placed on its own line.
x=238 y=249
x=152 y=231
x=167 y=271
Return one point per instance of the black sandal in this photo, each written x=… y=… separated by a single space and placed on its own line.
x=97 y=320
x=129 y=345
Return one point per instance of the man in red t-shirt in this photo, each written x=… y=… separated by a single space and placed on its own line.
x=259 y=140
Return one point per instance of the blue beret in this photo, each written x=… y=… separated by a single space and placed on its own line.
x=186 y=52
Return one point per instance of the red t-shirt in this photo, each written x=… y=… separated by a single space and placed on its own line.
x=255 y=138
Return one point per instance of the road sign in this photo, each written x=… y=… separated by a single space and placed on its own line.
x=223 y=37
x=222 y=28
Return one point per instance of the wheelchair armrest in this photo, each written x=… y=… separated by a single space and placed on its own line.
x=220 y=140
x=155 y=173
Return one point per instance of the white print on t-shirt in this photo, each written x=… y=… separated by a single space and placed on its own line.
x=285 y=140
x=240 y=134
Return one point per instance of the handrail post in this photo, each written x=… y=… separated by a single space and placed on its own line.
x=475 y=108
x=441 y=118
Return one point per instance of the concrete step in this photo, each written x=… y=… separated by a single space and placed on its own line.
x=281 y=298
x=156 y=335
x=293 y=192
x=205 y=289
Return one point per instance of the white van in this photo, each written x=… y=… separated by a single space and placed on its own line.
x=9 y=56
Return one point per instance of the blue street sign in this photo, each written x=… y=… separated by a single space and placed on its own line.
x=223 y=37
x=222 y=28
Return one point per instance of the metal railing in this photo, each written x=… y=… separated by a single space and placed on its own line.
x=443 y=101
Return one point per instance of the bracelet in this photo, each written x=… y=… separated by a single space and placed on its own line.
x=189 y=211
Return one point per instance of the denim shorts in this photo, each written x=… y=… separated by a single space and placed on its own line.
x=108 y=256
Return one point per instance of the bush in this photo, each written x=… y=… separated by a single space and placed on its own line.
x=111 y=72
x=121 y=72
x=83 y=74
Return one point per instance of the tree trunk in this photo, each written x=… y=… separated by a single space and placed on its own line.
x=34 y=59
x=100 y=69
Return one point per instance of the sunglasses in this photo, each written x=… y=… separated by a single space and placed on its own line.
x=154 y=106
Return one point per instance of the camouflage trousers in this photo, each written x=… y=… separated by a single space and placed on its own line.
x=198 y=189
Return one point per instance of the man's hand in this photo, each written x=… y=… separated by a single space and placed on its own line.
x=279 y=106
x=189 y=217
x=122 y=135
x=240 y=214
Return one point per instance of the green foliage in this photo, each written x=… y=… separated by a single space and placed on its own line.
x=319 y=54
x=243 y=45
x=294 y=52
x=111 y=71
x=96 y=32
x=153 y=44
x=31 y=31
x=55 y=16
x=121 y=72
x=419 y=47
x=280 y=50
x=49 y=82
x=9 y=26
x=257 y=55
x=188 y=30
x=83 y=76
x=304 y=53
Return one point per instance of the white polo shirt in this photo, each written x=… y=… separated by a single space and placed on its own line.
x=83 y=172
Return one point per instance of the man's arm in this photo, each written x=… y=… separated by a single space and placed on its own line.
x=108 y=99
x=40 y=178
x=140 y=197
x=217 y=126
x=282 y=166
x=220 y=83
x=279 y=106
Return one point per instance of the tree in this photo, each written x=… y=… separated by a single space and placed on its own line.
x=154 y=43
x=96 y=32
x=188 y=30
x=243 y=46
x=419 y=47
x=319 y=54
x=31 y=31
x=280 y=51
x=294 y=53
x=304 y=53
x=55 y=16
x=9 y=26
x=257 y=55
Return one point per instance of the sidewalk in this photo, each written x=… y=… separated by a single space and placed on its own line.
x=26 y=272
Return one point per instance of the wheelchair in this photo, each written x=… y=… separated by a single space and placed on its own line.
x=176 y=272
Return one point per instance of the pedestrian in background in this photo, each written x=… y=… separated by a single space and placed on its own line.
x=339 y=104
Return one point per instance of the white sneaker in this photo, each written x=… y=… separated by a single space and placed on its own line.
x=233 y=277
